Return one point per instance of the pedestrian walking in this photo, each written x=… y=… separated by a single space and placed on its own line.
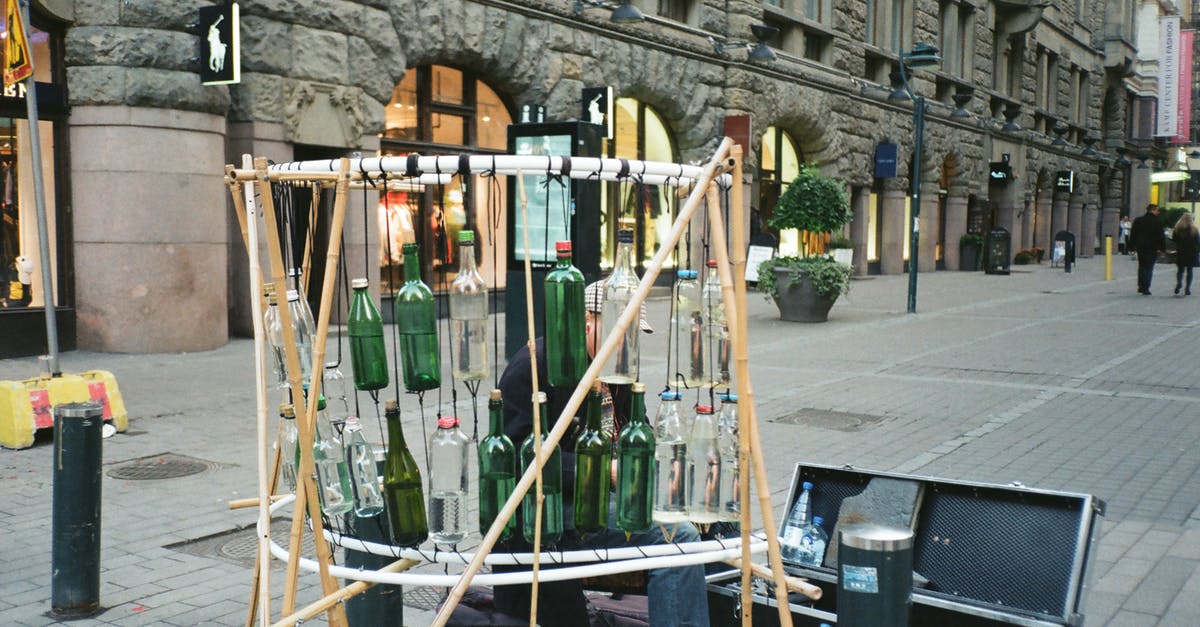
x=1187 y=252
x=1147 y=238
x=1123 y=236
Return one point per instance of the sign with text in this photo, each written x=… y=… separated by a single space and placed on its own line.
x=885 y=160
x=1064 y=181
x=18 y=65
x=999 y=172
x=220 y=54
x=1184 y=122
x=1168 y=76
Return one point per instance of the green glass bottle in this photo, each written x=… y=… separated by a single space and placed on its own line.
x=566 y=343
x=497 y=468
x=635 y=467
x=402 y=492
x=552 y=514
x=593 y=469
x=417 y=323
x=368 y=354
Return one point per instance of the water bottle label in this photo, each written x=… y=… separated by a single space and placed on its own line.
x=860 y=579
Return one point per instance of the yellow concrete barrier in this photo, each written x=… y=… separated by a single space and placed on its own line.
x=26 y=406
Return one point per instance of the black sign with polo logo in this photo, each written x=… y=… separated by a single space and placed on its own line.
x=1064 y=181
x=885 y=160
x=220 y=57
x=999 y=172
x=598 y=108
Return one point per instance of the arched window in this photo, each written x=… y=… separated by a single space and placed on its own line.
x=639 y=134
x=437 y=109
x=779 y=164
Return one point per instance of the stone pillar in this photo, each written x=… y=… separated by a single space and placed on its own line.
x=892 y=227
x=860 y=201
x=1088 y=244
x=1027 y=211
x=1110 y=224
x=929 y=220
x=1075 y=222
x=1058 y=216
x=956 y=225
x=1043 y=237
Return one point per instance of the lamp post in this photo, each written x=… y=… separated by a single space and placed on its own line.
x=922 y=55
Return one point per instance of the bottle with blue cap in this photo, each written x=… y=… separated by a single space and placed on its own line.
x=797 y=521
x=672 y=489
x=813 y=541
x=688 y=332
x=727 y=444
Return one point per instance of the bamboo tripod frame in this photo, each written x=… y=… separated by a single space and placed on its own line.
x=726 y=158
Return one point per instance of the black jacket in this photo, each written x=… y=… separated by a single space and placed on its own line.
x=1146 y=236
x=1187 y=247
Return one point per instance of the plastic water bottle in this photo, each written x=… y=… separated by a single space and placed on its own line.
x=336 y=495
x=622 y=366
x=671 y=487
x=688 y=331
x=364 y=475
x=448 y=449
x=704 y=468
x=727 y=444
x=718 y=326
x=468 y=314
x=811 y=550
x=797 y=520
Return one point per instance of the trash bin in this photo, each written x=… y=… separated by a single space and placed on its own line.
x=75 y=511
x=1064 y=250
x=874 y=576
x=997 y=251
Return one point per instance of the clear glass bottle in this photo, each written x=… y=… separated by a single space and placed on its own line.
x=272 y=326
x=704 y=468
x=329 y=458
x=552 y=507
x=566 y=343
x=402 y=494
x=672 y=490
x=449 y=450
x=622 y=365
x=593 y=468
x=497 y=469
x=304 y=331
x=289 y=445
x=635 y=467
x=368 y=353
x=468 y=314
x=727 y=444
x=417 y=322
x=364 y=475
x=333 y=386
x=718 y=326
x=688 y=332
x=797 y=520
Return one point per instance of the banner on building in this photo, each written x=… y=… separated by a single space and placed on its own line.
x=1184 y=123
x=1168 y=76
x=220 y=53
x=17 y=63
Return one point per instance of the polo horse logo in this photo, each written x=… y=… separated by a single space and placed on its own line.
x=216 y=48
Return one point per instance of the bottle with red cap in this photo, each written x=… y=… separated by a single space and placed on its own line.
x=449 y=450
x=566 y=344
x=704 y=468
x=718 y=327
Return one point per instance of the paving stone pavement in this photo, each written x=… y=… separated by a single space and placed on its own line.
x=1062 y=381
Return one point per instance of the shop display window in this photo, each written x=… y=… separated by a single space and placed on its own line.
x=778 y=165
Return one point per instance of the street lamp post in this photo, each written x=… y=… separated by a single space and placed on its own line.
x=922 y=55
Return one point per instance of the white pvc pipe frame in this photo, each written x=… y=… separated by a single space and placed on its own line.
x=439 y=170
x=616 y=560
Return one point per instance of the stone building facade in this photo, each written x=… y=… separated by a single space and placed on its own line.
x=156 y=256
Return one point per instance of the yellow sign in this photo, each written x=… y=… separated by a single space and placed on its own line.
x=17 y=64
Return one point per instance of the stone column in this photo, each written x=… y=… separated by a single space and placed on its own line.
x=860 y=201
x=1027 y=211
x=1075 y=222
x=929 y=220
x=956 y=225
x=1042 y=206
x=892 y=226
x=1058 y=216
x=1088 y=243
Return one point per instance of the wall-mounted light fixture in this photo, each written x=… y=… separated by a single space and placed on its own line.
x=623 y=12
x=756 y=51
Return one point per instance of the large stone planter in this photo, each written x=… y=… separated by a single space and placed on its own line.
x=968 y=257
x=800 y=302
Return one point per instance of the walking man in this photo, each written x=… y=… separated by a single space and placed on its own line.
x=1147 y=239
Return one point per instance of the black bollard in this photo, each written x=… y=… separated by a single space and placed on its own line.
x=874 y=577
x=75 y=522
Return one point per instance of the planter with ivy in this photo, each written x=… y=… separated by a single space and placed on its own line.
x=806 y=287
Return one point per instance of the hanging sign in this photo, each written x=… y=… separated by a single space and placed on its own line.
x=1064 y=181
x=220 y=54
x=1168 y=76
x=885 y=160
x=18 y=65
x=999 y=172
x=598 y=108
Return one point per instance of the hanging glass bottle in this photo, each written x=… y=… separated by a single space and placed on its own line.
x=364 y=474
x=552 y=514
x=672 y=489
x=304 y=332
x=593 y=468
x=718 y=326
x=333 y=386
x=368 y=353
x=635 y=466
x=727 y=445
x=688 y=332
x=566 y=344
x=468 y=314
x=403 y=497
x=289 y=446
x=449 y=448
x=622 y=365
x=497 y=468
x=704 y=468
x=272 y=326
x=329 y=458
x=417 y=324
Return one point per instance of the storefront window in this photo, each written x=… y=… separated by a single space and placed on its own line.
x=437 y=110
x=649 y=210
x=780 y=163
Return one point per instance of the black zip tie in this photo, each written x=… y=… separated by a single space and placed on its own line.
x=410 y=166
x=464 y=165
x=624 y=171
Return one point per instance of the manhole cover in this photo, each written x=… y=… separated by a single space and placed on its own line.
x=240 y=546
x=828 y=419
x=423 y=597
x=161 y=466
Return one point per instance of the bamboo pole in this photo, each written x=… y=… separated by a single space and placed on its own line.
x=342 y=595
x=253 y=502
x=734 y=312
x=581 y=390
x=795 y=584
x=537 y=410
x=738 y=254
x=305 y=497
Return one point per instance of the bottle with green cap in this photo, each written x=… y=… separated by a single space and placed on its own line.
x=622 y=365
x=566 y=343
x=368 y=353
x=333 y=475
x=593 y=468
x=552 y=514
x=727 y=445
x=497 y=468
x=416 y=320
x=402 y=494
x=635 y=466
x=672 y=490
x=468 y=315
